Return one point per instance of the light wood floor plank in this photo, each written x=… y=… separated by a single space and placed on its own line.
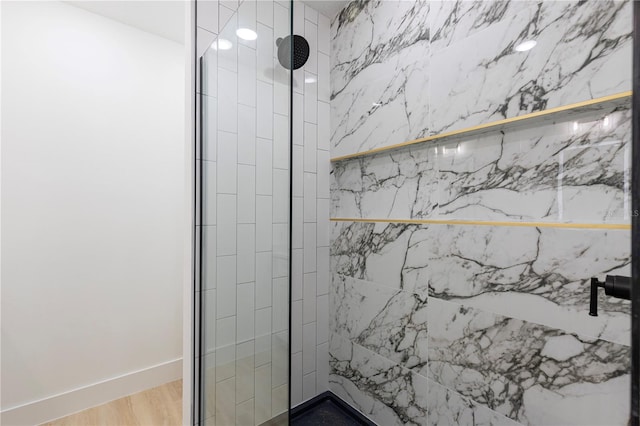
x=161 y=406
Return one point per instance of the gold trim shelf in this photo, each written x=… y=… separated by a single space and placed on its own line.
x=613 y=226
x=597 y=104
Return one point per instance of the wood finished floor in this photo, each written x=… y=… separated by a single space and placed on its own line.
x=161 y=406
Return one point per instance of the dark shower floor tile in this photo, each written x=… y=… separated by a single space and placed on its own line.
x=325 y=413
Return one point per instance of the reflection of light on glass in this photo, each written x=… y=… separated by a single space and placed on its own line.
x=459 y=149
x=526 y=45
x=575 y=126
x=377 y=104
x=246 y=34
x=221 y=44
x=310 y=80
x=605 y=122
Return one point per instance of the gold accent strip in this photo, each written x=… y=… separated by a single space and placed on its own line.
x=486 y=126
x=490 y=223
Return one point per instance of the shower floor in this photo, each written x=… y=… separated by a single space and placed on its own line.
x=326 y=411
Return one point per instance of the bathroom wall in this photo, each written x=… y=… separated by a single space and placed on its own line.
x=481 y=323
x=311 y=167
x=246 y=95
x=92 y=210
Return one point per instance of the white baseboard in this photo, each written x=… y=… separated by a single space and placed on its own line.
x=61 y=405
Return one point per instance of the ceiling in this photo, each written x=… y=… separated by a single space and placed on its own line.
x=166 y=17
x=163 y=18
x=328 y=8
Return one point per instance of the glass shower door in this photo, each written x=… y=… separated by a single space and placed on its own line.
x=242 y=278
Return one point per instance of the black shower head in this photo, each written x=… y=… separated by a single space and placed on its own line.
x=300 y=51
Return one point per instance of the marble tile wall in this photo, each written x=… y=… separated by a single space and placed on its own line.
x=245 y=222
x=450 y=324
x=389 y=295
x=528 y=372
x=570 y=170
x=405 y=70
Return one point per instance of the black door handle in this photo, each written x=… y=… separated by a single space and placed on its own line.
x=614 y=285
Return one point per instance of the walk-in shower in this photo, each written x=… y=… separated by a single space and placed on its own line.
x=404 y=207
x=243 y=222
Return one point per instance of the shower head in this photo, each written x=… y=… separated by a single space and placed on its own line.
x=300 y=51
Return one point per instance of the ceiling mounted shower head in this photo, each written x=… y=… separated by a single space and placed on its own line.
x=300 y=51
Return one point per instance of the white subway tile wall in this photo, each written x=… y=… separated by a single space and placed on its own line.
x=310 y=369
x=246 y=129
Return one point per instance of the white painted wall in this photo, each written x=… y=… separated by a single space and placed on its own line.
x=92 y=209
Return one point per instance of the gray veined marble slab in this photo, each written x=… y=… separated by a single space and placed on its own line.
x=583 y=52
x=405 y=70
x=575 y=170
x=370 y=31
x=401 y=184
x=580 y=111
x=570 y=171
x=449 y=408
x=451 y=21
x=389 y=322
x=371 y=252
x=382 y=390
x=535 y=274
x=528 y=372
x=379 y=78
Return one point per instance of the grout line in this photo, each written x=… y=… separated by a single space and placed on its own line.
x=612 y=226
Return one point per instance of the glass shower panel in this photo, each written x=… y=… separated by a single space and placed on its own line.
x=243 y=239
